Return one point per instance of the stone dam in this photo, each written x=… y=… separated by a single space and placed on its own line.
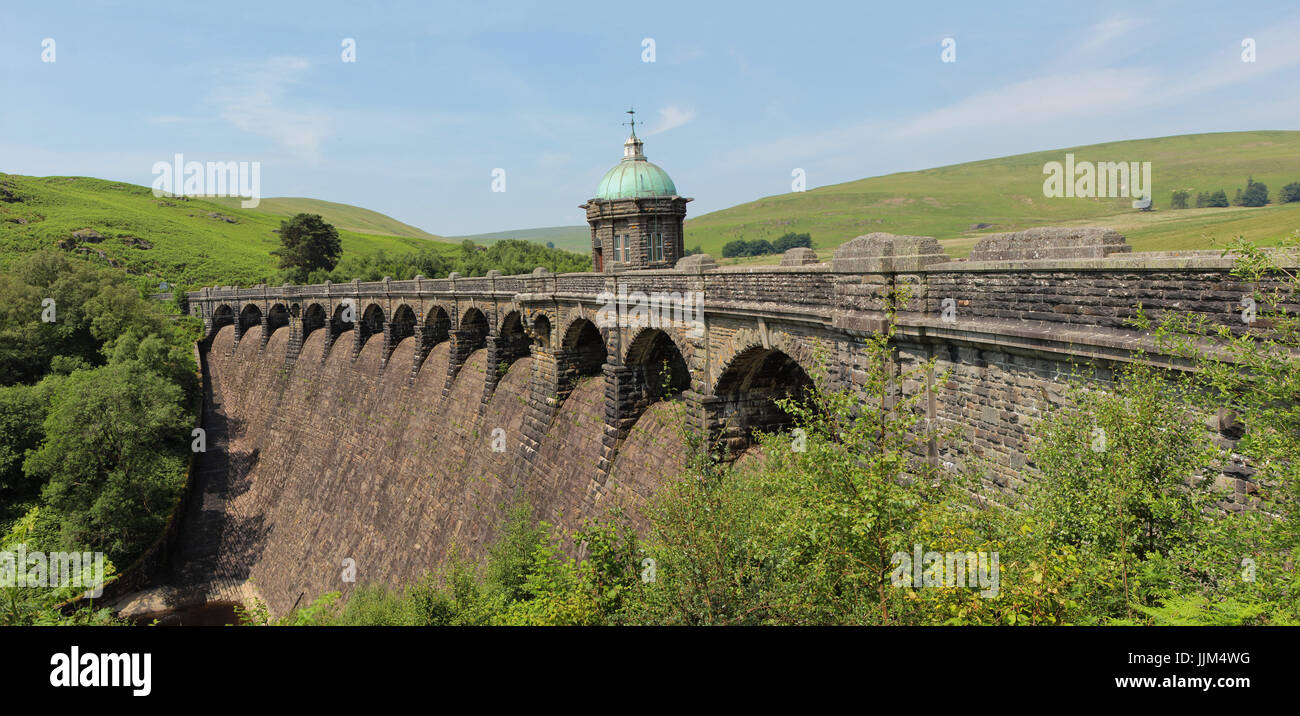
x=374 y=426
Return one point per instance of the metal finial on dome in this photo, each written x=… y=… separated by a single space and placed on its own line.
x=632 y=147
x=632 y=121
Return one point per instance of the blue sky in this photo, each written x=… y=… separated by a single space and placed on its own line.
x=738 y=96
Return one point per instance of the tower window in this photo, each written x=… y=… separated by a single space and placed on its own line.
x=657 y=247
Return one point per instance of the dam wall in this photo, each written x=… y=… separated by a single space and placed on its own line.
x=374 y=427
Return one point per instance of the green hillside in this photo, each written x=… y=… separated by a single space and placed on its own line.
x=179 y=240
x=570 y=238
x=343 y=216
x=959 y=203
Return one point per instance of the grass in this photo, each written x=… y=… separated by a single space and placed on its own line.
x=960 y=203
x=190 y=240
x=343 y=216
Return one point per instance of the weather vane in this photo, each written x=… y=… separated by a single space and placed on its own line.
x=632 y=122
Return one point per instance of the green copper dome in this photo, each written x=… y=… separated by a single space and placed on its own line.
x=634 y=177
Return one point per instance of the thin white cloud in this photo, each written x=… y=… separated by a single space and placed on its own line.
x=1101 y=35
x=671 y=117
x=253 y=99
x=1038 y=100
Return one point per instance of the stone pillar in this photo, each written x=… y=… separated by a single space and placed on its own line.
x=388 y=344
x=494 y=345
x=358 y=339
x=623 y=392
x=266 y=332
x=462 y=344
x=545 y=395
x=297 y=327
x=421 y=351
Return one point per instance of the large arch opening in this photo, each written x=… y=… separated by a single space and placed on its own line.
x=277 y=317
x=659 y=368
x=749 y=388
x=372 y=322
x=582 y=352
x=249 y=316
x=343 y=320
x=311 y=320
x=403 y=327
x=473 y=331
x=224 y=315
x=512 y=342
x=437 y=328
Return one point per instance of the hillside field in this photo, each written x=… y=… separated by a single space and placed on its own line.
x=957 y=204
x=175 y=239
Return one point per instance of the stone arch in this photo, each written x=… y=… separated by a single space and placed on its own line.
x=223 y=315
x=344 y=319
x=437 y=327
x=473 y=329
x=512 y=340
x=401 y=328
x=582 y=350
x=277 y=317
x=250 y=315
x=659 y=363
x=747 y=390
x=314 y=317
x=798 y=348
x=372 y=322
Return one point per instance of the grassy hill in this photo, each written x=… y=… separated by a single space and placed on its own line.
x=570 y=238
x=343 y=216
x=957 y=204
x=179 y=240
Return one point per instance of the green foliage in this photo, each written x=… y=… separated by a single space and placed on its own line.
x=114 y=456
x=1179 y=199
x=1256 y=194
x=470 y=259
x=791 y=240
x=1290 y=193
x=307 y=244
x=1114 y=489
x=1211 y=199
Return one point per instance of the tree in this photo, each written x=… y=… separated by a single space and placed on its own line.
x=739 y=247
x=308 y=243
x=113 y=456
x=1256 y=194
x=1217 y=199
x=1179 y=200
x=1290 y=193
x=792 y=240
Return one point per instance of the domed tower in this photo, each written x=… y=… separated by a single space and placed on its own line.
x=636 y=216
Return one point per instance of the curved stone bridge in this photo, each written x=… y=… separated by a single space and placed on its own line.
x=1019 y=311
